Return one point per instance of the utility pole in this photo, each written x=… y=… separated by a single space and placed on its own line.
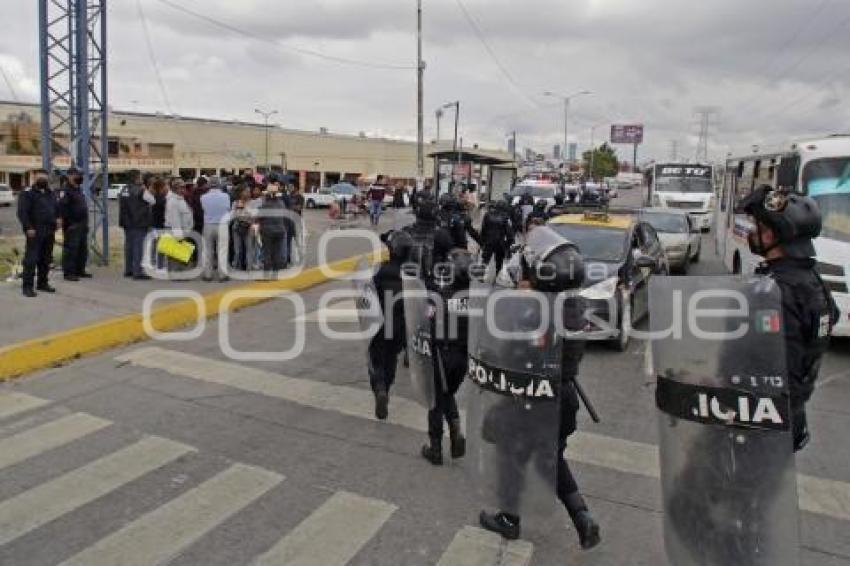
x=438 y=114
x=705 y=114
x=266 y=116
x=566 y=100
x=420 y=133
x=674 y=150
x=592 y=151
x=513 y=136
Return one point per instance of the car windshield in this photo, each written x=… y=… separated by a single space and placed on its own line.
x=534 y=190
x=828 y=182
x=666 y=223
x=344 y=190
x=683 y=185
x=4 y=188
x=594 y=242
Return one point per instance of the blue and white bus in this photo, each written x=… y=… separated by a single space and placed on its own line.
x=819 y=168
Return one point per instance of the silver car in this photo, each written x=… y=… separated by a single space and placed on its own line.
x=679 y=236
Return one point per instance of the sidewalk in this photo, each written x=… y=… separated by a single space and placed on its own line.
x=109 y=295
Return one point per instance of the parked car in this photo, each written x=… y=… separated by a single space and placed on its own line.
x=114 y=190
x=538 y=191
x=679 y=235
x=320 y=199
x=7 y=197
x=621 y=254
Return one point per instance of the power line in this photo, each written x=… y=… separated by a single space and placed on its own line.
x=300 y=50
x=9 y=84
x=152 y=56
x=480 y=34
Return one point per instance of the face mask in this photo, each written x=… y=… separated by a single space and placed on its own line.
x=41 y=184
x=76 y=179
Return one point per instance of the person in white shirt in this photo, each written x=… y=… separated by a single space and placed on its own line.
x=178 y=215
x=216 y=206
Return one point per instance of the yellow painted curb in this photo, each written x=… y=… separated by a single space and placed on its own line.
x=48 y=351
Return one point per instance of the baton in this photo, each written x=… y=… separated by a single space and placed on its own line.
x=585 y=401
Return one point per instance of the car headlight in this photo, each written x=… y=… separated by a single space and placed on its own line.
x=602 y=290
x=677 y=249
x=656 y=200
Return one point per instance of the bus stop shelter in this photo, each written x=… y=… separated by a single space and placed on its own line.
x=467 y=167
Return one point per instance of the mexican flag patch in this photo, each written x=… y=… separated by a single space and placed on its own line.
x=768 y=322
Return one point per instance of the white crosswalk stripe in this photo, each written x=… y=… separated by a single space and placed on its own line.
x=824 y=497
x=48 y=436
x=48 y=501
x=332 y=535
x=12 y=403
x=161 y=534
x=476 y=547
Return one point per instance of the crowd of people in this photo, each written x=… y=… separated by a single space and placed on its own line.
x=260 y=212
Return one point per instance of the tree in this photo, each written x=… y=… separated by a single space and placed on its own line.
x=605 y=162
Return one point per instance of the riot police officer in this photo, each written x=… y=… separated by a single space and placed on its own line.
x=537 y=215
x=549 y=265
x=454 y=218
x=74 y=212
x=449 y=329
x=37 y=215
x=386 y=345
x=430 y=243
x=784 y=226
x=497 y=233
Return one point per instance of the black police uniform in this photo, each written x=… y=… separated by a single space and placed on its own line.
x=388 y=343
x=809 y=313
x=74 y=212
x=37 y=211
x=458 y=224
x=497 y=234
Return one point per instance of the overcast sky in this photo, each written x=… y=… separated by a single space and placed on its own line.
x=775 y=69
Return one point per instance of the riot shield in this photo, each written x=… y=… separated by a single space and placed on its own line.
x=367 y=301
x=419 y=312
x=512 y=399
x=726 y=447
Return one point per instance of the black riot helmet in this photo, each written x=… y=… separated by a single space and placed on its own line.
x=399 y=243
x=559 y=199
x=454 y=273
x=553 y=263
x=426 y=209
x=540 y=206
x=447 y=201
x=795 y=220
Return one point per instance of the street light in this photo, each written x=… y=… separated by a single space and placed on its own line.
x=456 y=106
x=266 y=116
x=439 y=115
x=566 y=100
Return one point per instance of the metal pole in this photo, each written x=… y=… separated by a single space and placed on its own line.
x=566 y=122
x=267 y=144
x=457 y=114
x=43 y=56
x=439 y=115
x=104 y=135
x=592 y=152
x=634 y=161
x=513 y=157
x=420 y=124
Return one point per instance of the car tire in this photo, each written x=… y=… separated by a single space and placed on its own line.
x=695 y=259
x=310 y=203
x=621 y=342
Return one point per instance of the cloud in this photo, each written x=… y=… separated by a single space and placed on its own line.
x=775 y=69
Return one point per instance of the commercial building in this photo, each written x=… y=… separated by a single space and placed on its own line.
x=190 y=147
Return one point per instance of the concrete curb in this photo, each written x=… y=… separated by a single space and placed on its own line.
x=49 y=351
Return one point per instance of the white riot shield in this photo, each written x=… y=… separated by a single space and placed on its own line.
x=512 y=399
x=726 y=446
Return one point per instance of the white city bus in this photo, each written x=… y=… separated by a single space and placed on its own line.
x=685 y=186
x=818 y=168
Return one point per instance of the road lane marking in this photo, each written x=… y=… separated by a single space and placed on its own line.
x=162 y=534
x=48 y=501
x=477 y=547
x=12 y=403
x=332 y=535
x=47 y=436
x=819 y=496
x=350 y=401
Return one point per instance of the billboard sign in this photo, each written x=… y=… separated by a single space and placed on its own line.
x=627 y=133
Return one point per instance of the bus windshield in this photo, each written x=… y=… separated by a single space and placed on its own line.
x=683 y=185
x=828 y=182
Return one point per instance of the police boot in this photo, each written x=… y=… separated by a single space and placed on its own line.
x=382 y=401
x=587 y=528
x=458 y=442
x=433 y=452
x=502 y=523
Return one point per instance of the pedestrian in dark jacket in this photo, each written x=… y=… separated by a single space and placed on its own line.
x=37 y=215
x=73 y=209
x=136 y=218
x=273 y=231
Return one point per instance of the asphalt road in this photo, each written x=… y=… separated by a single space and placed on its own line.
x=178 y=452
